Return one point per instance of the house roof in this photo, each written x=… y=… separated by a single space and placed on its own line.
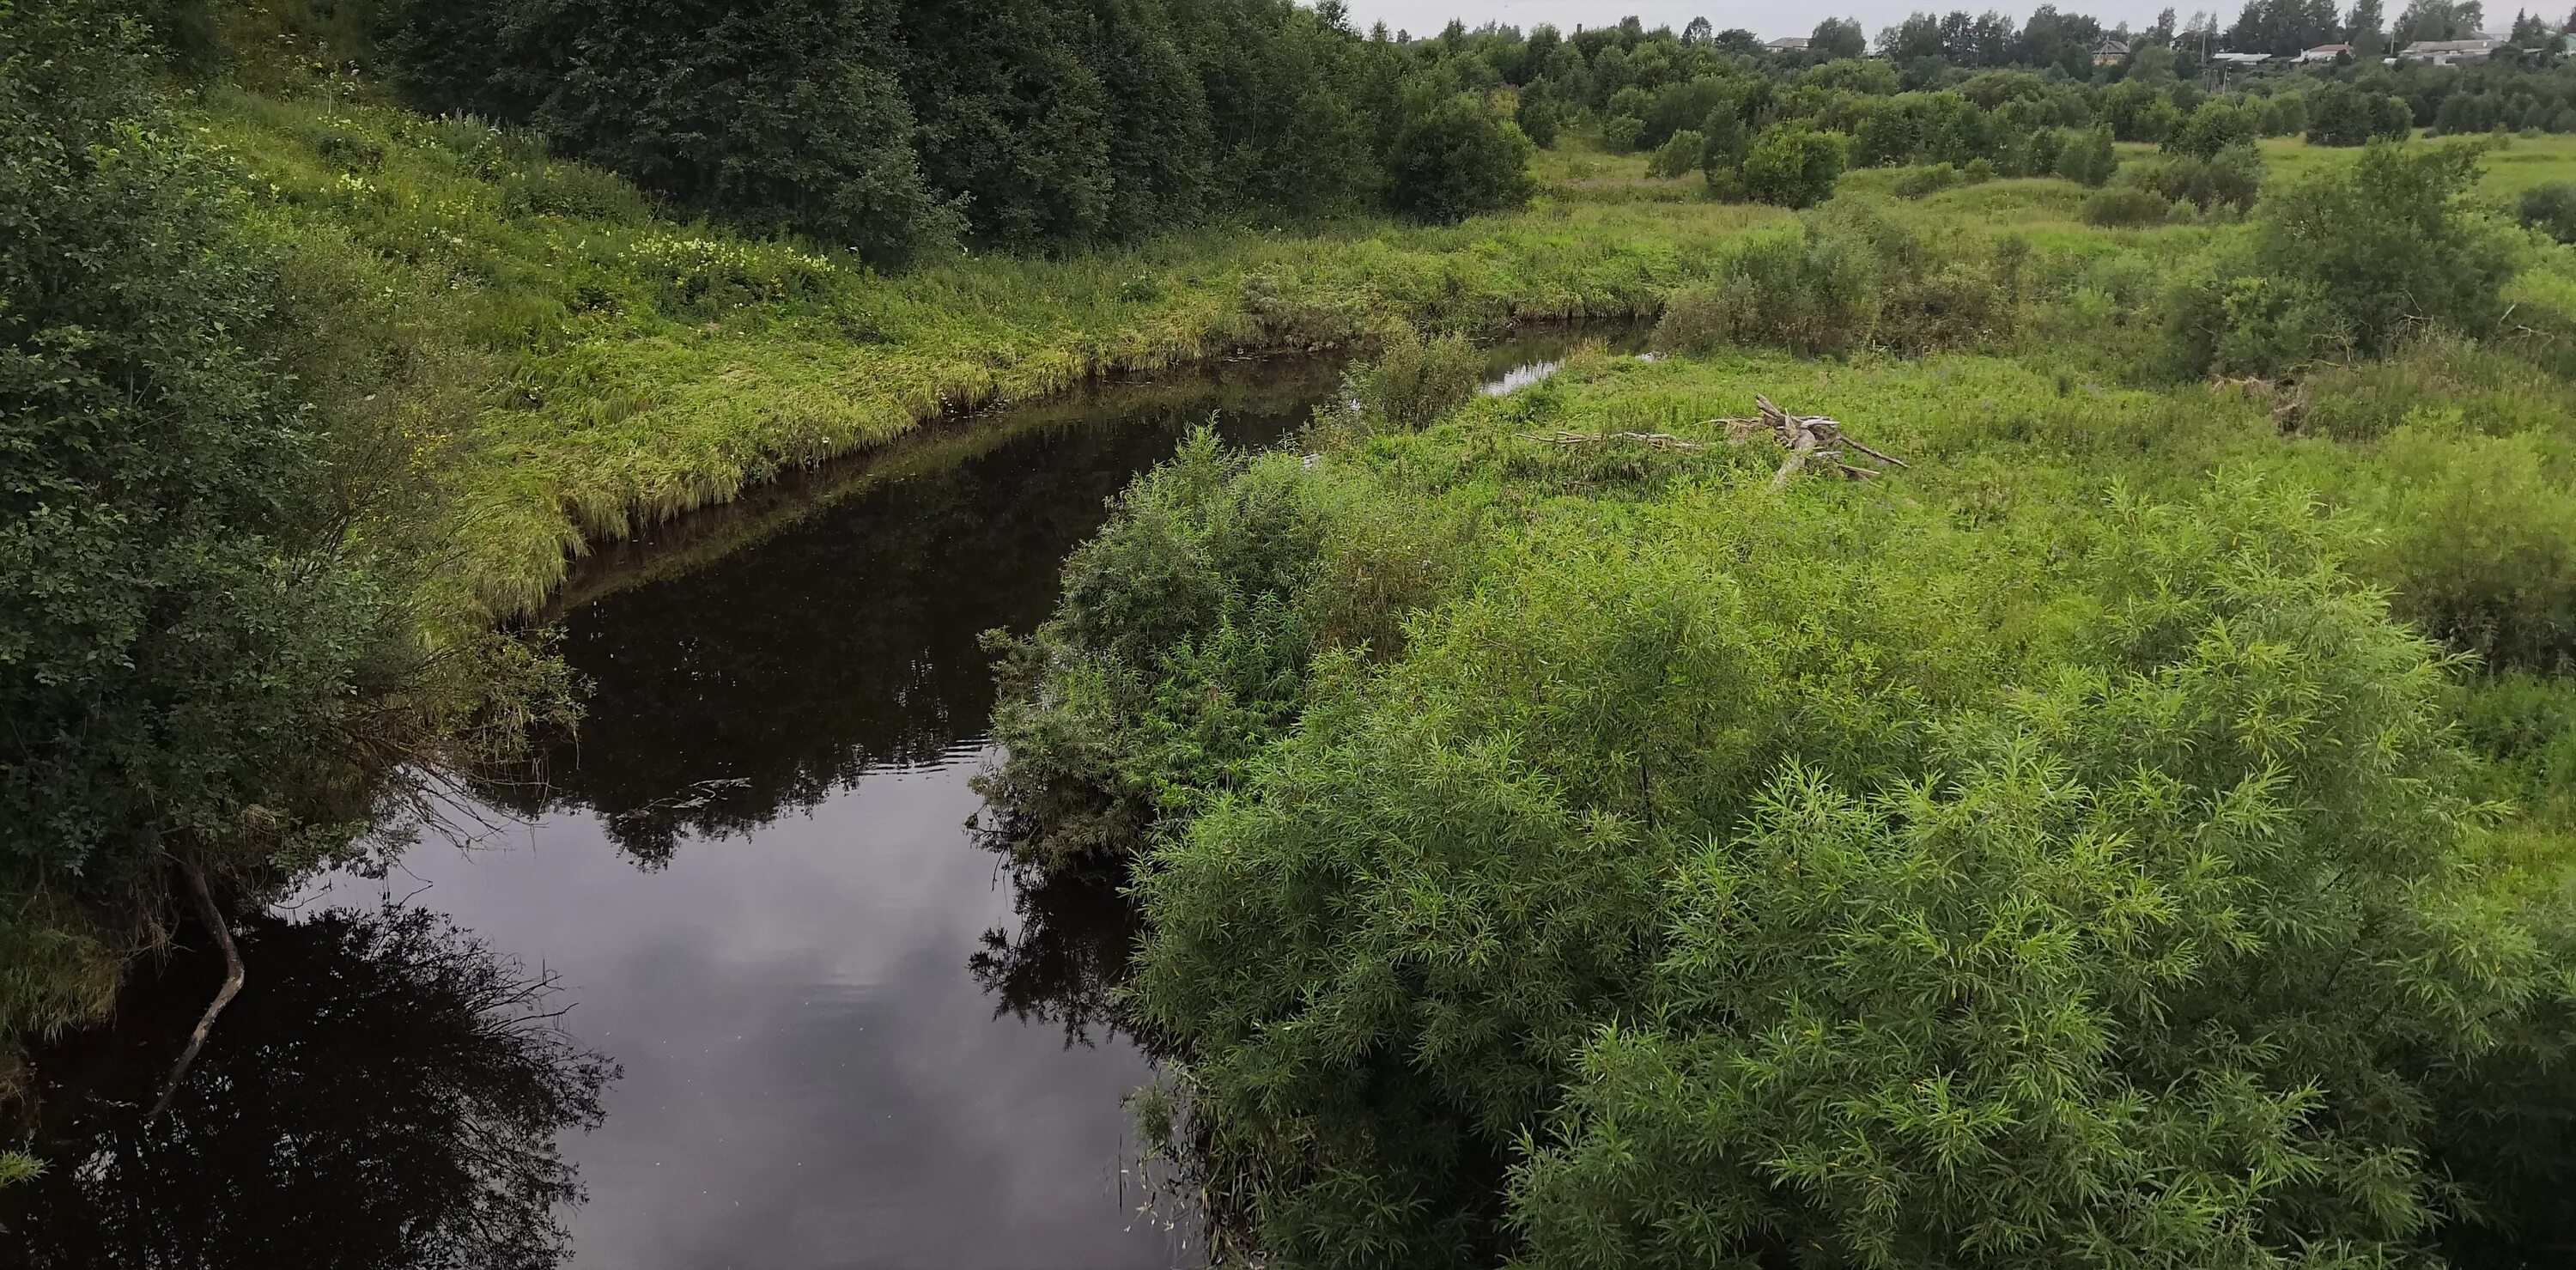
x=2331 y=48
x=2109 y=45
x=2482 y=44
x=1788 y=43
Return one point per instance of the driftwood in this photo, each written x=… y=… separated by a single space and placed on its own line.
x=221 y=928
x=1806 y=438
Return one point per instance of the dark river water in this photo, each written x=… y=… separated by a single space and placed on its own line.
x=738 y=985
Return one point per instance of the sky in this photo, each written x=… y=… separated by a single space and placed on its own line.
x=1770 y=21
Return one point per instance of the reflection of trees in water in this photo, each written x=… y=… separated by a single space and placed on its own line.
x=385 y=1094
x=1066 y=962
x=846 y=642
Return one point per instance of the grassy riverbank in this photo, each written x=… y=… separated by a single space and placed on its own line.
x=633 y=367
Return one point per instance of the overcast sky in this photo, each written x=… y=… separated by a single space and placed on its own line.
x=1770 y=21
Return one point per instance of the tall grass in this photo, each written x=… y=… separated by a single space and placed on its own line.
x=637 y=366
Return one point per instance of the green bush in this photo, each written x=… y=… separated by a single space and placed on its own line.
x=2342 y=115
x=2231 y=178
x=201 y=626
x=2551 y=209
x=1924 y=182
x=1413 y=381
x=2090 y=159
x=2218 y=125
x=1643 y=874
x=2126 y=208
x=1620 y=134
x=1539 y=114
x=2349 y=260
x=1793 y=165
x=1678 y=156
x=1454 y=158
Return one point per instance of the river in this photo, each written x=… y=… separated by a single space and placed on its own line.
x=738 y=985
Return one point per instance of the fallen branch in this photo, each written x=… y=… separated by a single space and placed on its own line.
x=222 y=929
x=1805 y=437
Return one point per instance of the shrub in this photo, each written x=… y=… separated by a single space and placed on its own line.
x=1678 y=156
x=2230 y=178
x=1926 y=181
x=1538 y=114
x=1414 y=381
x=2551 y=209
x=1848 y=278
x=2216 y=126
x=2391 y=242
x=1454 y=159
x=1793 y=165
x=2126 y=208
x=2090 y=159
x=1638 y=872
x=1620 y=135
x=2342 y=115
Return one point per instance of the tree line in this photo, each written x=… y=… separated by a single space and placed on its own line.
x=1025 y=125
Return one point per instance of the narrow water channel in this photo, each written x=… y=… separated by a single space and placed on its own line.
x=737 y=986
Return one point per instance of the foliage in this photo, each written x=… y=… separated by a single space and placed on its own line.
x=1413 y=381
x=2352 y=259
x=1795 y=166
x=2230 y=178
x=1454 y=159
x=2342 y=115
x=2089 y=159
x=2551 y=209
x=1561 y=883
x=188 y=619
x=2126 y=208
x=1678 y=156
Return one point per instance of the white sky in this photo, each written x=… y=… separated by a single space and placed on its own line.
x=1770 y=21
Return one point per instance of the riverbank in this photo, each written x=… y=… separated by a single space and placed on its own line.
x=628 y=368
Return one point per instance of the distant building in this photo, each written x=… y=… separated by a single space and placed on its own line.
x=2326 y=53
x=1788 y=44
x=2110 y=52
x=2240 y=59
x=2451 y=52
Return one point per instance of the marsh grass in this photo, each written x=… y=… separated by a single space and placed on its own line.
x=636 y=367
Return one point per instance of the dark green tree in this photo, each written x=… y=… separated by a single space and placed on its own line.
x=1836 y=38
x=1454 y=158
x=187 y=618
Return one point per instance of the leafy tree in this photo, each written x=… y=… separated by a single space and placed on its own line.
x=1837 y=38
x=2439 y=20
x=1453 y=158
x=2090 y=159
x=2551 y=209
x=2217 y=125
x=191 y=615
x=1793 y=165
x=2366 y=29
x=2348 y=259
x=1678 y=156
x=2343 y=115
x=1537 y=114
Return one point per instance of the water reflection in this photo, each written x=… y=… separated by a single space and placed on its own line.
x=385 y=1094
x=847 y=641
x=849 y=1037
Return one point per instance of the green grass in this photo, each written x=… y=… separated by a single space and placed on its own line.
x=634 y=367
x=626 y=366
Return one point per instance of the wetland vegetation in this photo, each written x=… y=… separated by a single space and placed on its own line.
x=2132 y=828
